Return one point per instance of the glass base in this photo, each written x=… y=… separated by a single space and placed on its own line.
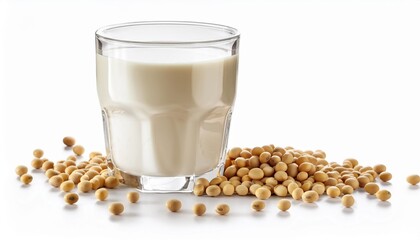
x=162 y=184
x=158 y=184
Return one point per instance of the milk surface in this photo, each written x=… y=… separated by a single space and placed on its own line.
x=168 y=110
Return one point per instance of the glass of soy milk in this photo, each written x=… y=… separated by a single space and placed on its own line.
x=166 y=90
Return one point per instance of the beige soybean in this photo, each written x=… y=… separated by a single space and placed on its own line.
x=256 y=173
x=224 y=183
x=59 y=167
x=69 y=141
x=383 y=195
x=37 y=163
x=47 y=165
x=198 y=190
x=38 y=153
x=111 y=182
x=284 y=205
x=84 y=178
x=333 y=191
x=222 y=209
x=319 y=188
x=216 y=181
x=67 y=186
x=385 y=176
x=254 y=188
x=71 y=198
x=280 y=191
x=241 y=190
x=413 y=179
x=213 y=191
x=116 y=208
x=50 y=173
x=95 y=183
x=258 y=205
x=371 y=188
x=297 y=193
x=347 y=189
x=242 y=172
x=75 y=177
x=230 y=171
x=173 y=205
x=352 y=182
x=78 y=150
x=228 y=189
x=26 y=178
x=64 y=176
x=199 y=209
x=55 y=181
x=262 y=193
x=133 y=197
x=380 y=168
x=265 y=157
x=84 y=186
x=234 y=152
x=310 y=196
x=291 y=187
x=20 y=170
x=363 y=180
x=70 y=169
x=72 y=158
x=347 y=200
x=101 y=194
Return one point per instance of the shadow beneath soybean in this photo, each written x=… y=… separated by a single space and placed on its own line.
x=384 y=204
x=101 y=203
x=333 y=200
x=348 y=210
x=370 y=196
x=282 y=214
x=258 y=214
x=53 y=189
x=309 y=205
x=68 y=207
x=413 y=187
x=123 y=216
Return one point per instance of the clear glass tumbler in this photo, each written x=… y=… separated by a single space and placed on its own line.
x=166 y=90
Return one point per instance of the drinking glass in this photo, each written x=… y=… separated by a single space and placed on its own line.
x=166 y=91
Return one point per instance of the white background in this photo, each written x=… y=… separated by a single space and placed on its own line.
x=341 y=76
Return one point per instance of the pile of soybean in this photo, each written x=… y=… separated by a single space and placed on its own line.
x=261 y=171
x=90 y=175
x=288 y=172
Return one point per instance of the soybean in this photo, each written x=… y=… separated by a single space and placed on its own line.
x=199 y=209
x=71 y=198
x=284 y=205
x=385 y=176
x=222 y=209
x=101 y=194
x=371 y=188
x=133 y=197
x=116 y=208
x=69 y=141
x=413 y=179
x=262 y=193
x=173 y=205
x=20 y=170
x=383 y=195
x=347 y=200
x=258 y=205
x=26 y=178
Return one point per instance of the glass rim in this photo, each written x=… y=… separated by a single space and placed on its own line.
x=232 y=33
